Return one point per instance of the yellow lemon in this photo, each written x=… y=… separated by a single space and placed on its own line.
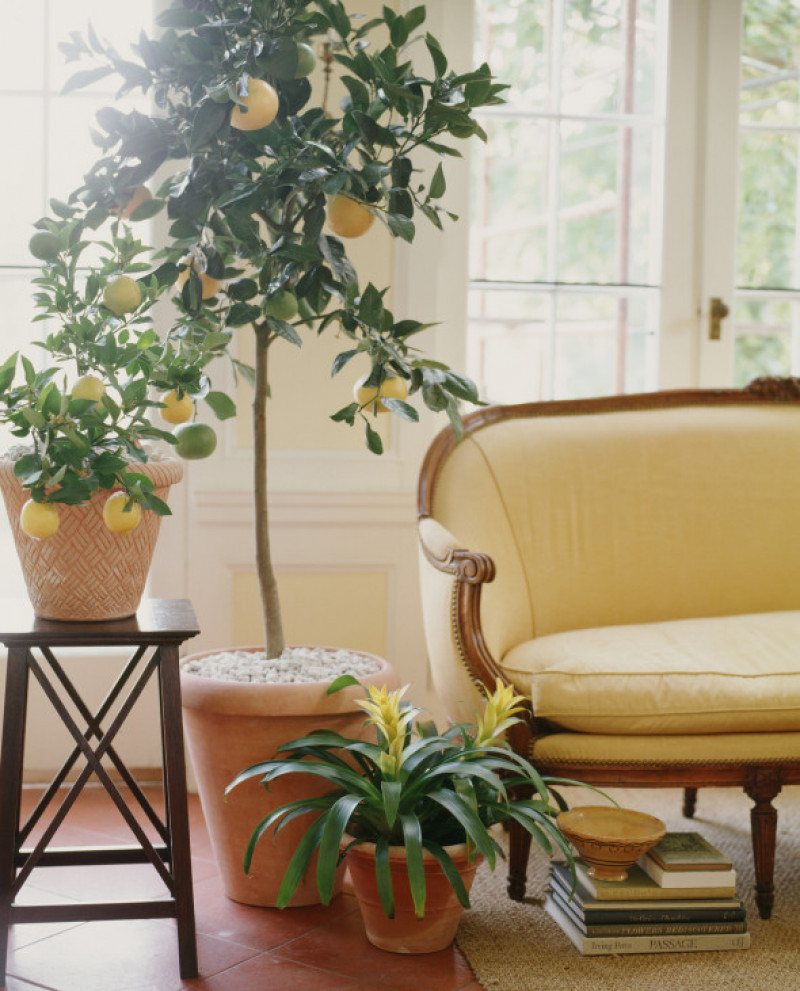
x=391 y=388
x=39 y=519
x=262 y=104
x=89 y=387
x=122 y=295
x=135 y=198
x=211 y=286
x=348 y=217
x=177 y=410
x=117 y=518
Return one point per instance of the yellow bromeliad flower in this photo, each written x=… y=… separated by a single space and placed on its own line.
x=498 y=715
x=392 y=722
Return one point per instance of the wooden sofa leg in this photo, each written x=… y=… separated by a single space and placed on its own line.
x=519 y=848
x=689 y=802
x=762 y=788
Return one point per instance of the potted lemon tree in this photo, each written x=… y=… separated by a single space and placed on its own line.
x=261 y=180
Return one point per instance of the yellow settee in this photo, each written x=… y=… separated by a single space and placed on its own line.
x=632 y=565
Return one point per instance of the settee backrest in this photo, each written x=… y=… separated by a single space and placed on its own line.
x=619 y=516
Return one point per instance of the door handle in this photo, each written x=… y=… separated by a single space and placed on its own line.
x=716 y=315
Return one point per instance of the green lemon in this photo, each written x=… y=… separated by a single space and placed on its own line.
x=45 y=246
x=306 y=60
x=122 y=295
x=195 y=441
x=282 y=305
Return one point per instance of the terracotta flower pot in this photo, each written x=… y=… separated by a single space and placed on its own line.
x=85 y=572
x=405 y=933
x=230 y=726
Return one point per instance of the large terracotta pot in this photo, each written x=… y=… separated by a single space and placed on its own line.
x=230 y=726
x=405 y=933
x=85 y=572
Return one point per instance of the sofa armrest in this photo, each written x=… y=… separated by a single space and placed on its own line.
x=452 y=578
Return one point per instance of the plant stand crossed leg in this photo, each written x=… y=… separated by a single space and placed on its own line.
x=155 y=633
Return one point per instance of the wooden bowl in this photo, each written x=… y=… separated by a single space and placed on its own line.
x=610 y=839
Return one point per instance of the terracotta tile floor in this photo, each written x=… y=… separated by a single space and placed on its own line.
x=239 y=948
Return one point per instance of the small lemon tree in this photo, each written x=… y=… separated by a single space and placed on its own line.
x=262 y=180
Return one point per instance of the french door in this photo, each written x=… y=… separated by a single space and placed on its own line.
x=634 y=218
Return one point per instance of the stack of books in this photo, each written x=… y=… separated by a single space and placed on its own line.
x=680 y=897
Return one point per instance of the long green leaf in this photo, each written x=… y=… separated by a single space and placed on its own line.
x=392 y=793
x=474 y=828
x=412 y=837
x=299 y=863
x=450 y=871
x=383 y=877
x=335 y=825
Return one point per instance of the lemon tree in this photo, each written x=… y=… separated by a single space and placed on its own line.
x=263 y=181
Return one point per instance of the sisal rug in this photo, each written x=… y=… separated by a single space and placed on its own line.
x=516 y=946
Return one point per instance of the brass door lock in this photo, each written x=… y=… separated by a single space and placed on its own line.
x=716 y=315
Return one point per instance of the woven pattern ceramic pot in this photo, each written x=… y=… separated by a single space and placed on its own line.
x=85 y=572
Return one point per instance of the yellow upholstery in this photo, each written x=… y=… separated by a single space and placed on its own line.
x=732 y=674
x=711 y=748
x=621 y=520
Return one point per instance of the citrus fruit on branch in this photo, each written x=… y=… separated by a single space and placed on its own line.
x=348 y=217
x=117 y=517
x=260 y=107
x=177 y=410
x=123 y=295
x=195 y=441
x=39 y=519
x=393 y=387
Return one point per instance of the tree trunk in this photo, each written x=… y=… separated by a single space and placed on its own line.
x=270 y=603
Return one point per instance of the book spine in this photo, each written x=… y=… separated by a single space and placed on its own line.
x=629 y=893
x=686 y=879
x=665 y=944
x=647 y=928
x=603 y=946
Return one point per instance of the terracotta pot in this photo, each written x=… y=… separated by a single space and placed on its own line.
x=85 y=572
x=405 y=933
x=231 y=726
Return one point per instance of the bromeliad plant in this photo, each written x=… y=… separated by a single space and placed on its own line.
x=414 y=788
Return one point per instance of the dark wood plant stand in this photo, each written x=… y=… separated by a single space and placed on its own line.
x=155 y=633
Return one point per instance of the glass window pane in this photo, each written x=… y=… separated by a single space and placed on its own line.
x=22 y=175
x=509 y=202
x=770 y=58
x=22 y=65
x=768 y=214
x=765 y=331
x=605 y=344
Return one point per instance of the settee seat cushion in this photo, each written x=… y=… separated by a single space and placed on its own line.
x=727 y=674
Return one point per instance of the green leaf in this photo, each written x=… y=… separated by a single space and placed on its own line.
x=450 y=871
x=299 y=862
x=86 y=78
x=341 y=360
x=148 y=209
x=392 y=792
x=401 y=226
x=402 y=409
x=412 y=839
x=285 y=330
x=347 y=414
x=438 y=56
x=246 y=371
x=223 y=406
x=343 y=681
x=374 y=442
x=438 y=185
x=383 y=877
x=207 y=121
x=335 y=825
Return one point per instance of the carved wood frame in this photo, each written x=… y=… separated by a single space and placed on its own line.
x=471 y=570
